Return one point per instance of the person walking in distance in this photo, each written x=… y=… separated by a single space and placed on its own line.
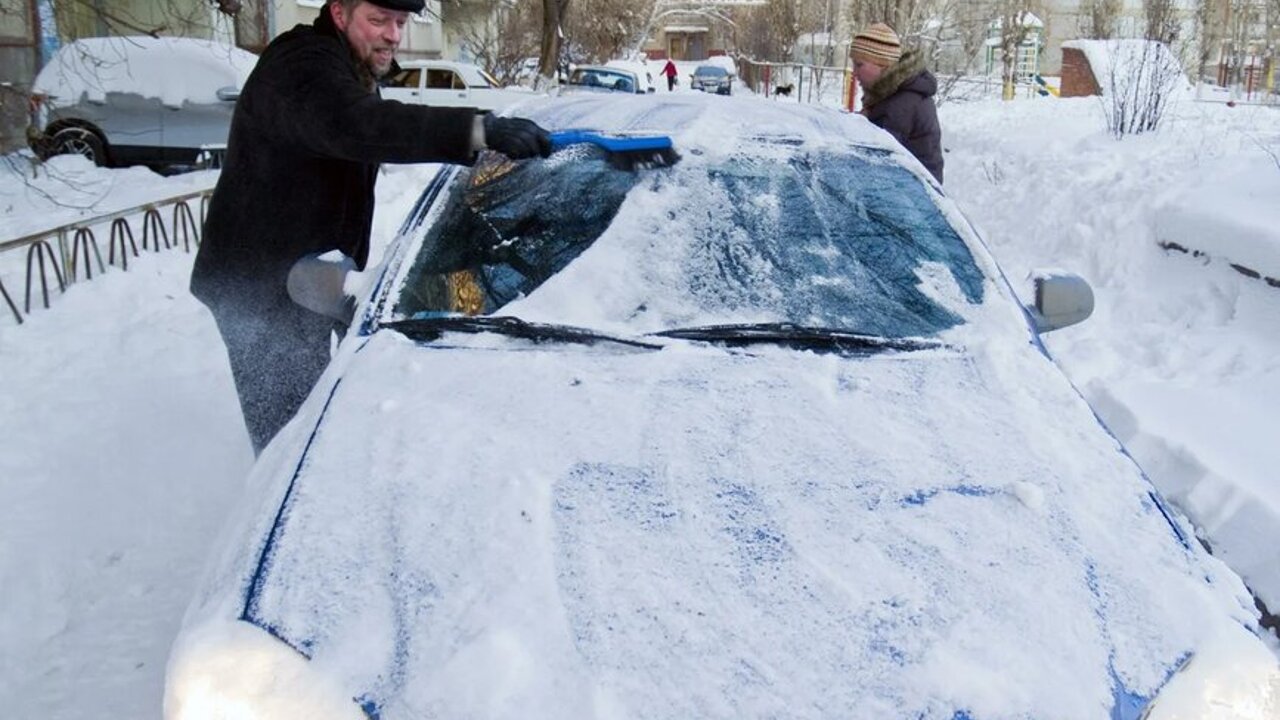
x=897 y=93
x=672 y=73
x=307 y=137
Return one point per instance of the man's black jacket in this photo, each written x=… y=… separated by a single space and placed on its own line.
x=306 y=139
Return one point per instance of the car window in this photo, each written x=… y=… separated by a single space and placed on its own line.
x=610 y=80
x=406 y=78
x=444 y=80
x=710 y=70
x=848 y=240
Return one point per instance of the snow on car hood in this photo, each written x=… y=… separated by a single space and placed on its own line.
x=483 y=527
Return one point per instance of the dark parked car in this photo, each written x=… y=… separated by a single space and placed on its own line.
x=138 y=100
x=712 y=78
x=763 y=434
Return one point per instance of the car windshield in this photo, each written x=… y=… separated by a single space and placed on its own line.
x=846 y=240
x=711 y=71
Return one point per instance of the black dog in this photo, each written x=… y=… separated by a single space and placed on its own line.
x=784 y=89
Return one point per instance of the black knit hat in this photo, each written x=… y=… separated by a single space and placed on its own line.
x=412 y=6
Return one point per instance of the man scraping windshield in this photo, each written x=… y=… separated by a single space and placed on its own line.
x=308 y=134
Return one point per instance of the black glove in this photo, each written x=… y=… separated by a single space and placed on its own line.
x=517 y=138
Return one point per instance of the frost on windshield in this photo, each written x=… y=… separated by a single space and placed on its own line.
x=846 y=240
x=825 y=240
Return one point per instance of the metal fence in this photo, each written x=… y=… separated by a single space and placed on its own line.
x=810 y=84
x=65 y=253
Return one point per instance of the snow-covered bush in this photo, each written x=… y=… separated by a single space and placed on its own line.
x=1137 y=78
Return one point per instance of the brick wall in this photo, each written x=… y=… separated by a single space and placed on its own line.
x=1077 y=76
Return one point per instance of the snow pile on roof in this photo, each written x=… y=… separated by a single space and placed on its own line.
x=722 y=61
x=1132 y=67
x=175 y=70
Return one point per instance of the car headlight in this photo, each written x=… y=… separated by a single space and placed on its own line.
x=235 y=671
x=1233 y=677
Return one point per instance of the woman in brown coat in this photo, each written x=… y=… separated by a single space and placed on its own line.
x=898 y=93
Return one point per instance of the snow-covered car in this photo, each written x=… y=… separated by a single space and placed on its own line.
x=450 y=84
x=641 y=70
x=712 y=79
x=137 y=100
x=605 y=78
x=762 y=434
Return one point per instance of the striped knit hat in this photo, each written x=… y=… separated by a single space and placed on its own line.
x=877 y=44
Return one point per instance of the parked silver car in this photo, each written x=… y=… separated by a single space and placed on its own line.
x=137 y=100
x=712 y=78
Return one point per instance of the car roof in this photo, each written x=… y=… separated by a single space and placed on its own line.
x=173 y=69
x=721 y=124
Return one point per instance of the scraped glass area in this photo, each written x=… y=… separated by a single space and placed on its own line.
x=841 y=239
x=509 y=226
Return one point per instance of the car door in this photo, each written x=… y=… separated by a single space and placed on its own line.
x=193 y=127
x=130 y=122
x=444 y=87
x=405 y=86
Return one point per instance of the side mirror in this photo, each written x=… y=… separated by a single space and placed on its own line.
x=230 y=93
x=1061 y=299
x=318 y=283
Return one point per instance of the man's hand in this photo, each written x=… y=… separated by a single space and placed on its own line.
x=517 y=138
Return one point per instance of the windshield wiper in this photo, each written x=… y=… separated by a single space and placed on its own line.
x=799 y=337
x=431 y=328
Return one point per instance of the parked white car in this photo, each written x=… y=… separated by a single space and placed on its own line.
x=444 y=83
x=137 y=100
x=762 y=434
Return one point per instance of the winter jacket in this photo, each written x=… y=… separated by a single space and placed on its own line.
x=901 y=102
x=307 y=135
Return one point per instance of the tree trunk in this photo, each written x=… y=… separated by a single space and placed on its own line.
x=553 y=15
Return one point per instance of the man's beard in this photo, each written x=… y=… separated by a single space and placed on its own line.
x=374 y=70
x=369 y=72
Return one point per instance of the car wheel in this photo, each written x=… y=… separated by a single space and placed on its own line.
x=79 y=141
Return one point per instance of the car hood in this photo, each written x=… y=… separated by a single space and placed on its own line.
x=484 y=527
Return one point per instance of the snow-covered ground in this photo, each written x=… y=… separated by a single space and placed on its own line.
x=121 y=445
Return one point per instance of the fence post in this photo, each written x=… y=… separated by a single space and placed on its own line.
x=120 y=230
x=182 y=218
x=39 y=249
x=153 y=229
x=63 y=251
x=84 y=238
x=9 y=301
x=767 y=72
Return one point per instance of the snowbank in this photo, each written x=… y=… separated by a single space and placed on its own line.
x=1180 y=357
x=1231 y=213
